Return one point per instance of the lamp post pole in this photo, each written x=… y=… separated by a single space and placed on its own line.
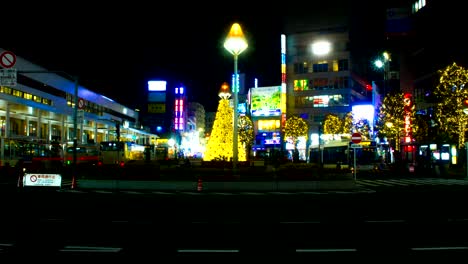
x=75 y=131
x=235 y=151
x=387 y=59
x=235 y=43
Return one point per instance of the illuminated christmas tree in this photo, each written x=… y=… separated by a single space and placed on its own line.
x=219 y=145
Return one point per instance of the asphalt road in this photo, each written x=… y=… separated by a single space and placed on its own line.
x=410 y=223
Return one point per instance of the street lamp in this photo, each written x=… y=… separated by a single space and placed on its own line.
x=384 y=64
x=235 y=43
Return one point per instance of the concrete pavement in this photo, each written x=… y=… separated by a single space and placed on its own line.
x=218 y=186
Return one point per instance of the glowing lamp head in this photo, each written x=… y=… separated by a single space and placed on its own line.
x=235 y=42
x=465 y=102
x=386 y=56
x=321 y=47
x=224 y=92
x=378 y=63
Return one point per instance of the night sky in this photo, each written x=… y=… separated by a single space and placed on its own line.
x=116 y=51
x=117 y=59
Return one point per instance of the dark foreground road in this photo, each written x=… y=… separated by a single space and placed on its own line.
x=402 y=223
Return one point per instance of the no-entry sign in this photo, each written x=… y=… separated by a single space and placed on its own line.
x=356 y=138
x=7 y=59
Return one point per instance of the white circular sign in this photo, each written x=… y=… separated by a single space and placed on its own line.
x=356 y=138
x=33 y=178
x=80 y=103
x=7 y=59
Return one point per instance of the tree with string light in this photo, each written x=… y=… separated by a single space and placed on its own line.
x=219 y=146
x=451 y=95
x=295 y=128
x=246 y=135
x=391 y=118
x=332 y=124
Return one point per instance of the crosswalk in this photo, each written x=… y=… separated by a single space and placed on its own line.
x=372 y=183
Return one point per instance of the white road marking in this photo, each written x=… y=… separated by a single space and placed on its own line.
x=385 y=221
x=299 y=222
x=90 y=249
x=208 y=250
x=131 y=192
x=101 y=191
x=438 y=248
x=164 y=193
x=326 y=250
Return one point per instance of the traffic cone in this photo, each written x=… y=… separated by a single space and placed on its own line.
x=20 y=180
x=73 y=184
x=200 y=185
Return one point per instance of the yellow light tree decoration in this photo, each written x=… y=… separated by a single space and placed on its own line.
x=332 y=124
x=246 y=135
x=347 y=121
x=391 y=122
x=295 y=128
x=451 y=93
x=219 y=146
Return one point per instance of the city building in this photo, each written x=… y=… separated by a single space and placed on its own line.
x=38 y=112
x=321 y=77
x=422 y=38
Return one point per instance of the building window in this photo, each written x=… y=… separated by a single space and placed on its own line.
x=343 y=65
x=17 y=93
x=301 y=51
x=320 y=67
x=46 y=101
x=27 y=96
x=5 y=90
x=301 y=85
x=300 y=68
x=299 y=100
x=340 y=83
x=335 y=66
x=320 y=83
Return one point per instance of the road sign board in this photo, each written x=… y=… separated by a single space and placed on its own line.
x=356 y=138
x=356 y=146
x=8 y=77
x=80 y=103
x=42 y=179
x=7 y=59
x=80 y=116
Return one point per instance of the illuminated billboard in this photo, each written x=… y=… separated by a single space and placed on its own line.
x=266 y=101
x=242 y=108
x=157 y=86
x=365 y=111
x=154 y=108
x=159 y=97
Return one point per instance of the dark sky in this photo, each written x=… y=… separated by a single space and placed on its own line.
x=117 y=57
x=116 y=50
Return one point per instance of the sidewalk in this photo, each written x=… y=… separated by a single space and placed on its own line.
x=230 y=186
